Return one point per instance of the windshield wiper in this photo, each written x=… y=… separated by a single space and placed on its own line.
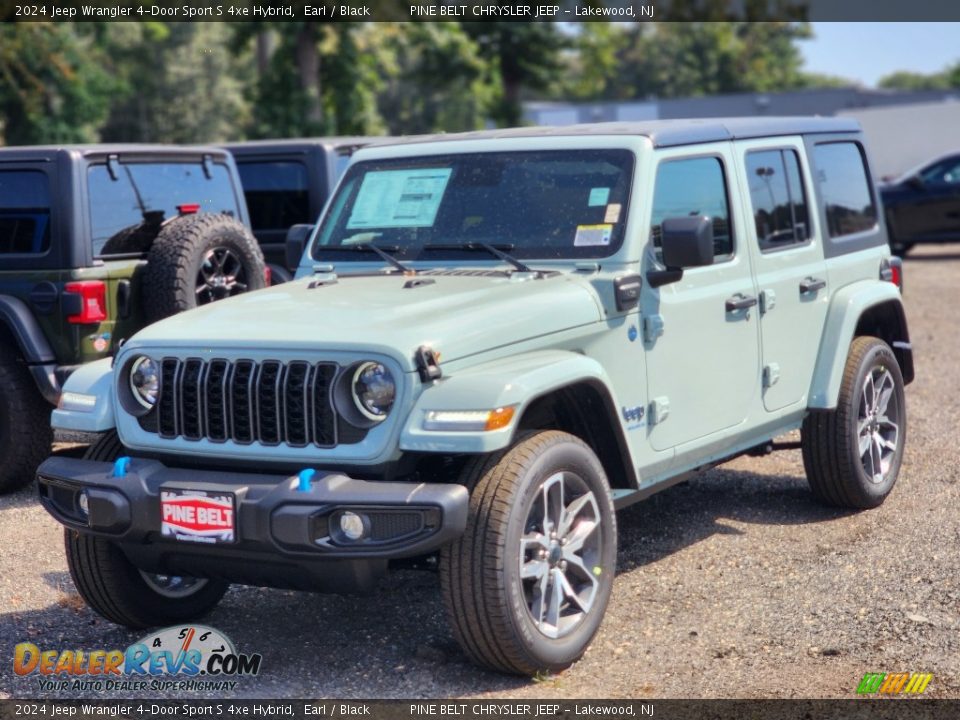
x=494 y=250
x=383 y=252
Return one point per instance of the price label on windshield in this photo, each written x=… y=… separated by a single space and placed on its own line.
x=399 y=198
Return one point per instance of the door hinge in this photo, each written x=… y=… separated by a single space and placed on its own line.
x=652 y=327
x=771 y=373
x=768 y=301
x=659 y=409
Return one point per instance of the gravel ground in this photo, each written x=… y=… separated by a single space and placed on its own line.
x=734 y=585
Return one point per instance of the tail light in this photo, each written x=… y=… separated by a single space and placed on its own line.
x=891 y=270
x=188 y=208
x=268 y=276
x=86 y=301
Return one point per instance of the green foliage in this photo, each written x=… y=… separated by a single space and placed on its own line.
x=203 y=82
x=671 y=60
x=434 y=79
x=185 y=89
x=904 y=80
x=524 y=56
x=52 y=87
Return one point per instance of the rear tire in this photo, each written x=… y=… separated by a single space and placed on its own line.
x=116 y=589
x=197 y=259
x=852 y=454
x=527 y=585
x=25 y=434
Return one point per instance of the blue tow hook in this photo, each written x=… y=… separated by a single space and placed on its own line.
x=121 y=467
x=306 y=477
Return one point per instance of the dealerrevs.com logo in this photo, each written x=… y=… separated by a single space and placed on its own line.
x=903 y=683
x=182 y=657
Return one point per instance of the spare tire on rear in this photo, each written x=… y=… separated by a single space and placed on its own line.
x=197 y=259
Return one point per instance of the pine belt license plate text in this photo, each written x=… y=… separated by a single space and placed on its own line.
x=195 y=516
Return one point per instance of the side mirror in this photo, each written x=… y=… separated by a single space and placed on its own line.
x=297 y=237
x=685 y=242
x=916 y=182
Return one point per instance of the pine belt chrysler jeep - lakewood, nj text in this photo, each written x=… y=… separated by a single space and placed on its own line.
x=494 y=340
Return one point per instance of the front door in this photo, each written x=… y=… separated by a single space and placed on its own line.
x=701 y=337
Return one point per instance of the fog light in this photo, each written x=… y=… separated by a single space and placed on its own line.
x=353 y=526
x=83 y=502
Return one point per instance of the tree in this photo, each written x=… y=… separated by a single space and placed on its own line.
x=906 y=80
x=525 y=57
x=433 y=78
x=314 y=78
x=702 y=58
x=185 y=89
x=52 y=86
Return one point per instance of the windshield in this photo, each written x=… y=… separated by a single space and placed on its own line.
x=126 y=212
x=552 y=204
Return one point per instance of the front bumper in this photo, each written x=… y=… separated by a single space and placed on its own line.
x=283 y=536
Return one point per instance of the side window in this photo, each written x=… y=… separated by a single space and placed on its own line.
x=277 y=194
x=24 y=212
x=943 y=173
x=842 y=177
x=693 y=186
x=778 y=200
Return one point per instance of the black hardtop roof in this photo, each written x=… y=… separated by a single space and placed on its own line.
x=260 y=147
x=665 y=133
x=46 y=152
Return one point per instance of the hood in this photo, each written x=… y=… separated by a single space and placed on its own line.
x=456 y=315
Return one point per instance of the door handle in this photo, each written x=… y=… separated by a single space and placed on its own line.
x=740 y=302
x=811 y=285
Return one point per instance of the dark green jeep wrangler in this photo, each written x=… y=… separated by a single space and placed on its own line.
x=95 y=243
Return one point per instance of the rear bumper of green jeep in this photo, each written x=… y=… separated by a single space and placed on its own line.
x=251 y=528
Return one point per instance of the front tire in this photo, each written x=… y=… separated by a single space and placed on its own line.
x=527 y=585
x=852 y=454
x=116 y=589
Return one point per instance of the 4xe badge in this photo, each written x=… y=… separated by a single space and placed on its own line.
x=196 y=516
x=181 y=657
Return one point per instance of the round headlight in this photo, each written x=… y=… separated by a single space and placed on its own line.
x=373 y=390
x=145 y=381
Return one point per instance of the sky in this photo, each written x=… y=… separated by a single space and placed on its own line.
x=865 y=52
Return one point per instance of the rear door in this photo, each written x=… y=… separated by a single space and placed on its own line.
x=31 y=254
x=788 y=258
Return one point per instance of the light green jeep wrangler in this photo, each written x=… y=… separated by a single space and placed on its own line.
x=497 y=339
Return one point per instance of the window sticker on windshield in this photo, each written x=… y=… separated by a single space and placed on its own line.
x=598 y=196
x=588 y=235
x=399 y=198
x=613 y=213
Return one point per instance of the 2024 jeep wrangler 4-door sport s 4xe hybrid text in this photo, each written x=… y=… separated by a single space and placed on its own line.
x=495 y=340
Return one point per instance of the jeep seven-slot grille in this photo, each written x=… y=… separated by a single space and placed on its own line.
x=244 y=401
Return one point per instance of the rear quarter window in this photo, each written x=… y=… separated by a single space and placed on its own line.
x=845 y=188
x=24 y=212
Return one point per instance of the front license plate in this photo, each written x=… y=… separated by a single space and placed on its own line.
x=195 y=516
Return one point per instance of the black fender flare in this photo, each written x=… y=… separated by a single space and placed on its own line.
x=33 y=345
x=17 y=317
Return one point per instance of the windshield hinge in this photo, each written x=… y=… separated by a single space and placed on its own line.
x=428 y=364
